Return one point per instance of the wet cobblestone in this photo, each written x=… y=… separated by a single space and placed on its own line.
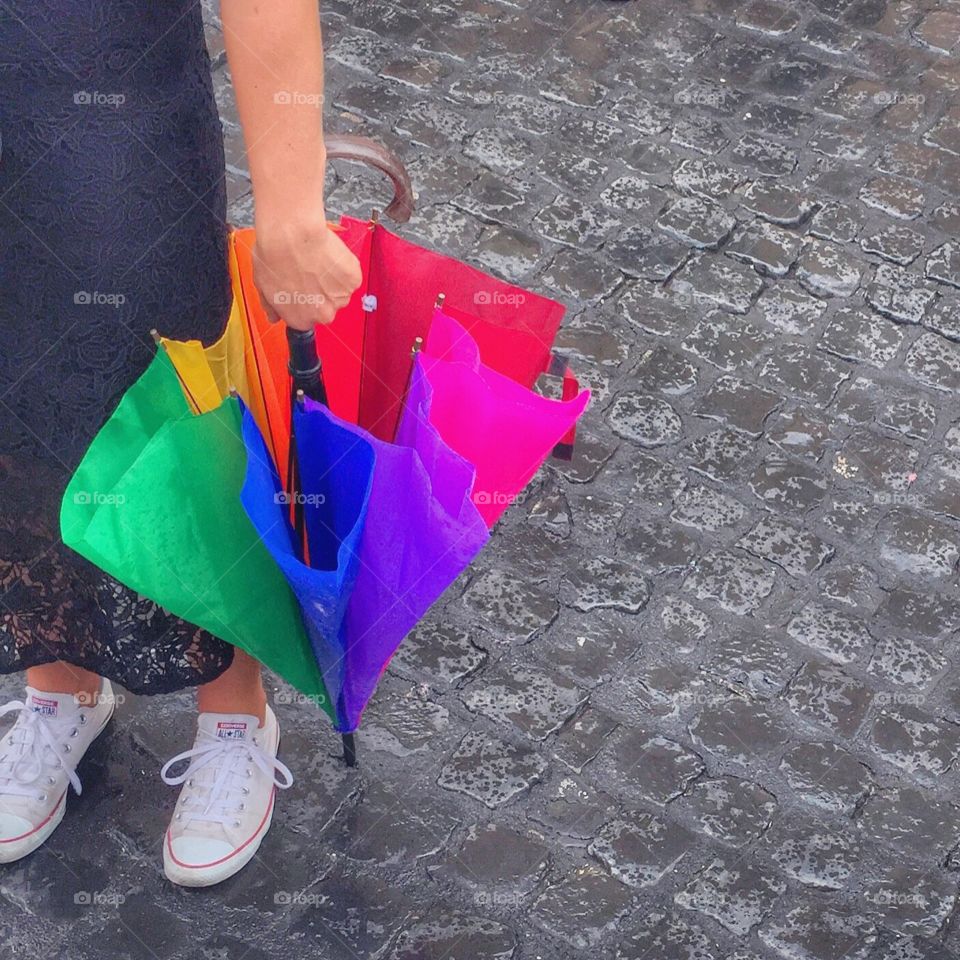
x=697 y=700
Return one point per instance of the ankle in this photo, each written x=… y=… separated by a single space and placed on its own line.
x=64 y=678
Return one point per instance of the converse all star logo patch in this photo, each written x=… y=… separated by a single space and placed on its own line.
x=231 y=730
x=44 y=705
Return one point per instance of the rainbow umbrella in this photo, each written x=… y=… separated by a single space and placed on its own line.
x=432 y=430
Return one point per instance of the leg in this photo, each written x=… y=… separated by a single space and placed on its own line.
x=239 y=689
x=63 y=677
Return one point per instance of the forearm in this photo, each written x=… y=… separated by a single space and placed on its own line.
x=275 y=54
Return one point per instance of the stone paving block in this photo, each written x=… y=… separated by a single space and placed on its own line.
x=634 y=763
x=914 y=543
x=666 y=371
x=824 y=693
x=511 y=254
x=803 y=372
x=736 y=729
x=837 y=635
x=574 y=274
x=769 y=249
x=854 y=585
x=911 y=819
x=658 y=546
x=734 y=892
x=507 y=605
x=404 y=721
x=571 y=809
x=909 y=900
x=444 y=936
x=737 y=582
x=900 y=295
x=641 y=850
x=582 y=907
x=720 y=454
x=582 y=738
x=757 y=663
x=799 y=433
x=935 y=362
x=811 y=933
x=827 y=776
x=646 y=420
x=491 y=771
x=943 y=316
x=813 y=855
x=899 y=245
x=726 y=342
x=779 y=480
x=706 y=178
x=605 y=583
x=924 y=612
x=647 y=254
x=915 y=741
x=697 y=221
x=705 y=509
x=699 y=134
x=857 y=334
x=499 y=864
x=789 y=309
x=569 y=221
x=836 y=222
x=418 y=830
x=534 y=702
x=829 y=270
x=728 y=809
x=788 y=546
x=667 y=936
x=905 y=662
x=683 y=624
x=629 y=195
x=766 y=156
x=343 y=914
x=777 y=202
x=718 y=281
x=894 y=197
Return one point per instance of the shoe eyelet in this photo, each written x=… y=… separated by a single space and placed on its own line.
x=42 y=798
x=246 y=791
x=242 y=807
x=67 y=748
x=10 y=741
x=83 y=720
x=74 y=732
x=179 y=816
x=249 y=773
x=236 y=823
x=190 y=782
x=51 y=781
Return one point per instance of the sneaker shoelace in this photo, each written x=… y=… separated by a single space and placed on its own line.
x=35 y=746
x=218 y=799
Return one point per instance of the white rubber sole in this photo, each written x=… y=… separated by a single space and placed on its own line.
x=17 y=849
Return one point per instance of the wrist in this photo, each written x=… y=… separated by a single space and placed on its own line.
x=285 y=191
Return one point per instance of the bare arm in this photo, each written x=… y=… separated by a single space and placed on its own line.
x=303 y=270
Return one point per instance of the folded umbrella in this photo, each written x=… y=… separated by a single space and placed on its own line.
x=334 y=528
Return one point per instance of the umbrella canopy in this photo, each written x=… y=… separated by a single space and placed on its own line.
x=400 y=479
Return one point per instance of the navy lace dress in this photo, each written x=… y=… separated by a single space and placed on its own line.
x=112 y=222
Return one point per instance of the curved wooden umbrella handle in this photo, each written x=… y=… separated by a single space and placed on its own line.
x=365 y=150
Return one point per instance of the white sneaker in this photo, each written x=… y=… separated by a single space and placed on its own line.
x=226 y=804
x=38 y=759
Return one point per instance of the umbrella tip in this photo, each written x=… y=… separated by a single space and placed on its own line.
x=374 y=217
x=233 y=393
x=156 y=336
x=438 y=303
x=417 y=346
x=301 y=396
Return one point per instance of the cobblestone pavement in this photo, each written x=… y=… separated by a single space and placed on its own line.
x=697 y=700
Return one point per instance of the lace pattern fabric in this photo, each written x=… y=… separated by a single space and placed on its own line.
x=112 y=222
